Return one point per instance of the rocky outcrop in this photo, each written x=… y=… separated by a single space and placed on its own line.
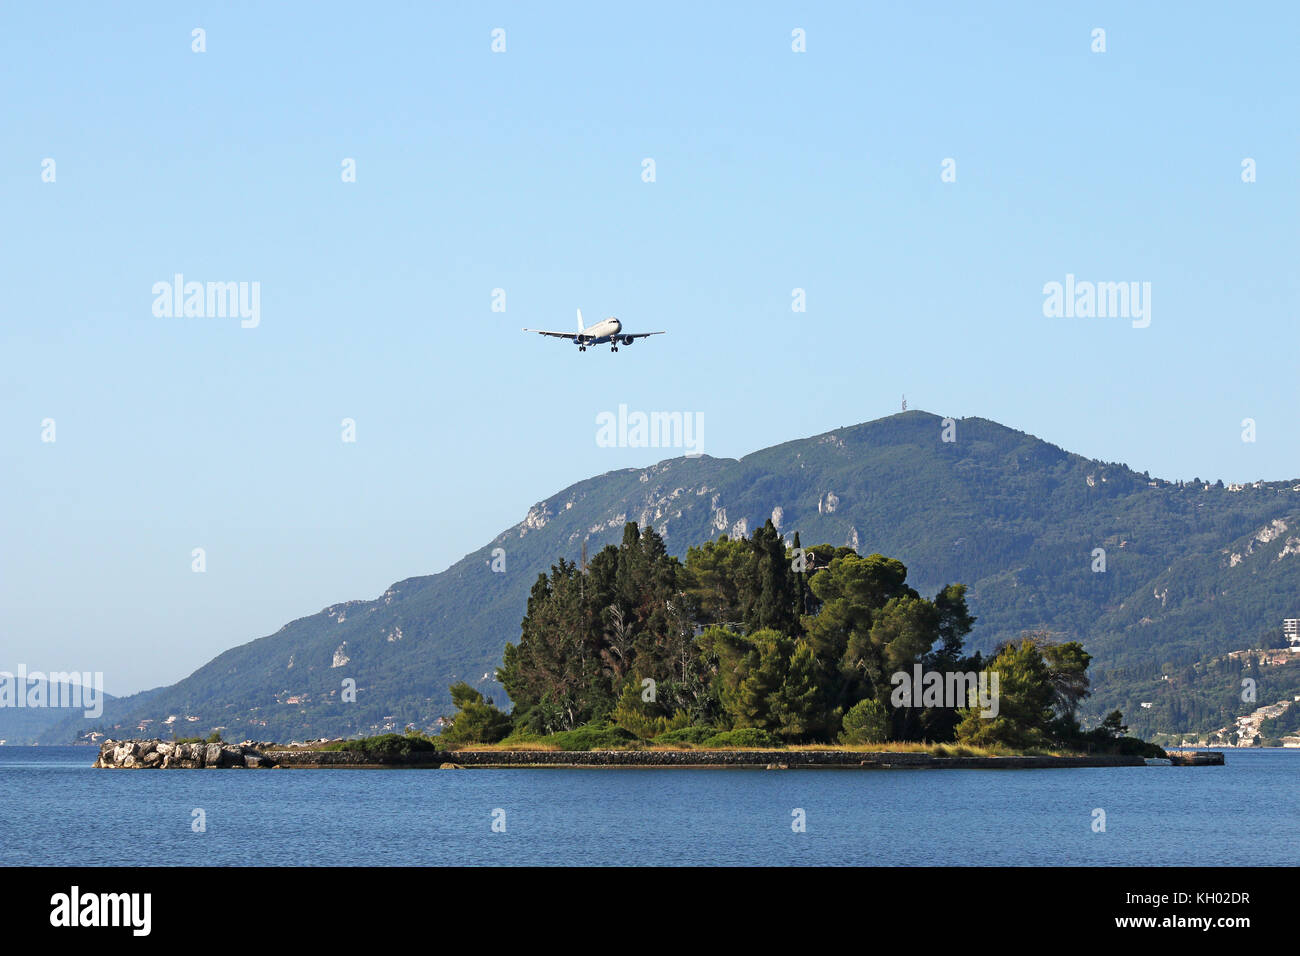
x=1196 y=758
x=166 y=754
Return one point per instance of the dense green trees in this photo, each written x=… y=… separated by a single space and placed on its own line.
x=587 y=636
x=767 y=680
x=1040 y=686
x=748 y=637
x=1025 y=696
x=745 y=634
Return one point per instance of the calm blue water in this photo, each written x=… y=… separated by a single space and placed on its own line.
x=56 y=809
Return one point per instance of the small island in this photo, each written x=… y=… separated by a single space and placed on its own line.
x=760 y=643
x=751 y=653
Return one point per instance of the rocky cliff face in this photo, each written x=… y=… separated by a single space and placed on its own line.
x=165 y=754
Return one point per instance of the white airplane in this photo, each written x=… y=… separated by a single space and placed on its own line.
x=606 y=330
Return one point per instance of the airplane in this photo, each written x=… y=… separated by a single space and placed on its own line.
x=606 y=330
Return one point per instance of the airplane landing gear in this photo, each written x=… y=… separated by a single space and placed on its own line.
x=582 y=348
x=613 y=348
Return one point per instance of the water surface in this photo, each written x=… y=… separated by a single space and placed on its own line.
x=56 y=809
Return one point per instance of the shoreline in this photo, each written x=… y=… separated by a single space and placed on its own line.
x=155 y=754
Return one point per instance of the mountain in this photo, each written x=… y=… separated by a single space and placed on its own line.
x=1191 y=571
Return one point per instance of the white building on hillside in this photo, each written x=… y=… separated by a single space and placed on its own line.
x=1291 y=628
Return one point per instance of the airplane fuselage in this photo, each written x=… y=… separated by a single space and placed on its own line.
x=606 y=330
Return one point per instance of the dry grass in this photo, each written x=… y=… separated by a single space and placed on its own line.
x=510 y=745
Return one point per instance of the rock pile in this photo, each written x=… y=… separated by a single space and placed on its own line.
x=165 y=754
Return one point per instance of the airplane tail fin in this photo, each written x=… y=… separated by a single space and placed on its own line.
x=580 y=326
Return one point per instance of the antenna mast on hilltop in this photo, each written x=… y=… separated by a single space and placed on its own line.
x=904 y=403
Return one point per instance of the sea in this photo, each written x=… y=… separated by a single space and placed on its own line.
x=55 y=809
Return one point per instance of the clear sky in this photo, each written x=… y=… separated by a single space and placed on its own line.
x=523 y=171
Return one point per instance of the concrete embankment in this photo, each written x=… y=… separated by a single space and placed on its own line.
x=147 y=754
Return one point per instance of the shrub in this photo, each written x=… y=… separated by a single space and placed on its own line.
x=632 y=714
x=687 y=735
x=867 y=722
x=595 y=737
x=743 y=737
x=385 y=746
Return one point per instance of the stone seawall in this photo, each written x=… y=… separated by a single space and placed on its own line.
x=147 y=754
x=770 y=759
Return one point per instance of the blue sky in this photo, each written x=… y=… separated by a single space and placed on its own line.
x=522 y=171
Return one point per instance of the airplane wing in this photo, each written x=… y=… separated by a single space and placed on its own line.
x=636 y=335
x=559 y=335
